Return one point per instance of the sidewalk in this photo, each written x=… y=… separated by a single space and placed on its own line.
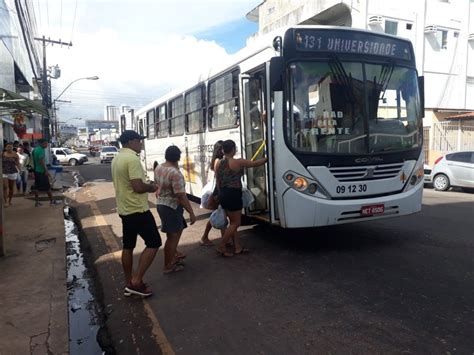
x=33 y=299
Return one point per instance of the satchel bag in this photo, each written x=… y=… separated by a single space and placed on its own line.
x=209 y=198
x=213 y=200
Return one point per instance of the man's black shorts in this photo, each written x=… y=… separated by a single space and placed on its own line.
x=143 y=224
x=42 y=182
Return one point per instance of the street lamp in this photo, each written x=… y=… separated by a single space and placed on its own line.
x=55 y=123
x=95 y=77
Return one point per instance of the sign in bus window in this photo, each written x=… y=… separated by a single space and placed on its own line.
x=328 y=111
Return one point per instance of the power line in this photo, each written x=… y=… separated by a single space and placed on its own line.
x=92 y=93
x=73 y=21
x=39 y=11
x=47 y=13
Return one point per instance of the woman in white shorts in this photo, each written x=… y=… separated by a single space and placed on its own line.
x=11 y=166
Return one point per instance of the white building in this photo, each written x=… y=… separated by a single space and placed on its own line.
x=111 y=113
x=442 y=33
x=127 y=119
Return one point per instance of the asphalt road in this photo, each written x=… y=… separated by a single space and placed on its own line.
x=402 y=285
x=93 y=170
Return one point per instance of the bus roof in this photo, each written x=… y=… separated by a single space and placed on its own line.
x=256 y=45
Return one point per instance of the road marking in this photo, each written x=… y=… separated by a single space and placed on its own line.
x=156 y=329
x=158 y=332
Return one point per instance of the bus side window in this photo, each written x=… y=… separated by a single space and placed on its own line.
x=150 y=121
x=224 y=101
x=195 y=103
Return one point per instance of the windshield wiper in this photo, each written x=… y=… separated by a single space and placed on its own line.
x=385 y=76
x=341 y=76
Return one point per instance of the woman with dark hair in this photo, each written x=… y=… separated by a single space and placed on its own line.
x=171 y=202
x=11 y=166
x=217 y=154
x=229 y=175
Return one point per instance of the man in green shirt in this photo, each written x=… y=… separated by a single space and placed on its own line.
x=131 y=193
x=42 y=175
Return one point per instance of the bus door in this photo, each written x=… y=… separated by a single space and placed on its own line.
x=254 y=137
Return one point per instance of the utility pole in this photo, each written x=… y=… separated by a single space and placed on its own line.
x=46 y=86
x=55 y=125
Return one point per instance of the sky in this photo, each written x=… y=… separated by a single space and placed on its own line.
x=139 y=49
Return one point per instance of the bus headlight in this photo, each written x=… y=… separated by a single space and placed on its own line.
x=304 y=185
x=417 y=176
x=300 y=183
x=312 y=188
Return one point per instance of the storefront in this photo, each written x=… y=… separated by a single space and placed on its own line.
x=21 y=118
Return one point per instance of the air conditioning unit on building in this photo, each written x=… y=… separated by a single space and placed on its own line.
x=431 y=29
x=375 y=20
x=470 y=37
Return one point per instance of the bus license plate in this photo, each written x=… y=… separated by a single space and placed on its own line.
x=372 y=210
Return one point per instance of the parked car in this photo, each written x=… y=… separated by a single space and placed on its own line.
x=68 y=156
x=428 y=179
x=108 y=153
x=455 y=169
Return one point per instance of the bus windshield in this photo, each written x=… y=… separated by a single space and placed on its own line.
x=353 y=107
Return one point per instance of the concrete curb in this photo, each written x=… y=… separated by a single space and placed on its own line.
x=126 y=321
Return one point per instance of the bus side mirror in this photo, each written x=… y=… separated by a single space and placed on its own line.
x=277 y=69
x=421 y=86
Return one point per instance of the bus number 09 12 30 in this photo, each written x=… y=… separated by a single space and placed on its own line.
x=351 y=189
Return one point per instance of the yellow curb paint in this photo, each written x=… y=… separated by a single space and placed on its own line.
x=156 y=329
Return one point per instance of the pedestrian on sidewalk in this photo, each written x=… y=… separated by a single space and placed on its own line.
x=131 y=191
x=27 y=148
x=24 y=159
x=42 y=176
x=171 y=202
x=11 y=166
x=217 y=154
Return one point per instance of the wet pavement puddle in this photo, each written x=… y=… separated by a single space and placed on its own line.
x=83 y=310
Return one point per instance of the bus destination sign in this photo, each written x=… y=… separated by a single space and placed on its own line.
x=351 y=42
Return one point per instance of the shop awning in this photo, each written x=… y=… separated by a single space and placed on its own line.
x=461 y=116
x=10 y=100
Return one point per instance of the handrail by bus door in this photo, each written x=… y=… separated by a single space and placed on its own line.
x=249 y=112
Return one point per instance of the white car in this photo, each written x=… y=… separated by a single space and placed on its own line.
x=108 y=153
x=455 y=169
x=68 y=156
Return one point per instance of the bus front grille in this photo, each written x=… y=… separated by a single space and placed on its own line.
x=371 y=172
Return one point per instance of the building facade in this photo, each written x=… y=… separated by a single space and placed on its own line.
x=442 y=34
x=111 y=113
x=20 y=70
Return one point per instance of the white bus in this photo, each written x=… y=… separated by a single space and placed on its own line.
x=342 y=126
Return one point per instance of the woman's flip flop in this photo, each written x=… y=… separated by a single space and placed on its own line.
x=174 y=268
x=207 y=243
x=242 y=251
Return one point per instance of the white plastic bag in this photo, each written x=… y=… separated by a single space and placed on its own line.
x=247 y=198
x=218 y=218
x=207 y=192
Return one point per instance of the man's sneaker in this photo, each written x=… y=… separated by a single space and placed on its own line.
x=140 y=290
x=37 y=204
x=53 y=202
